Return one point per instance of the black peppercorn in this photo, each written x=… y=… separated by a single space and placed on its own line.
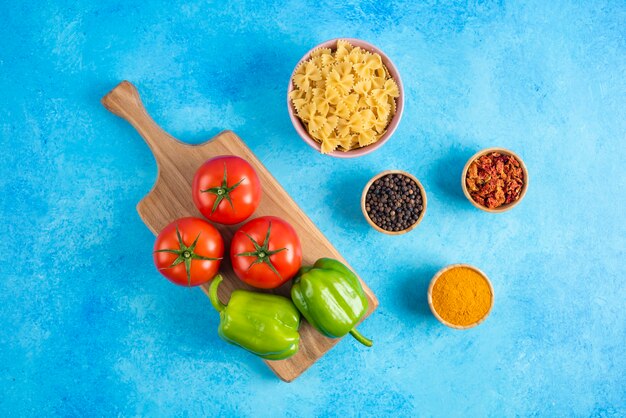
x=394 y=202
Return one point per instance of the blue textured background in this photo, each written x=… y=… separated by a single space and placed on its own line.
x=90 y=328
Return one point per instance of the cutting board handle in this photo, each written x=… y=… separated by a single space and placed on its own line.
x=124 y=101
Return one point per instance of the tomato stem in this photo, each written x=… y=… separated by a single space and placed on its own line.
x=262 y=252
x=185 y=254
x=222 y=191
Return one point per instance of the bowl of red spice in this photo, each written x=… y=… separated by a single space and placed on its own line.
x=495 y=180
x=460 y=296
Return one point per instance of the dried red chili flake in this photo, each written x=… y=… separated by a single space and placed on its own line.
x=494 y=180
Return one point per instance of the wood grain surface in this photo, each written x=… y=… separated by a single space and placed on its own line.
x=170 y=199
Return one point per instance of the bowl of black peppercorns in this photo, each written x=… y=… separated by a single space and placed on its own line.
x=393 y=202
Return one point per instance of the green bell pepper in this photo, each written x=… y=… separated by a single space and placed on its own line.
x=264 y=324
x=331 y=298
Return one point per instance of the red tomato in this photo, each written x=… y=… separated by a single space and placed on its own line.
x=266 y=252
x=226 y=190
x=189 y=251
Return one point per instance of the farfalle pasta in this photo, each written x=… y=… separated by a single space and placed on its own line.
x=345 y=98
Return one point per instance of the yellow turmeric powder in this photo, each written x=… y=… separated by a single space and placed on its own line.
x=461 y=296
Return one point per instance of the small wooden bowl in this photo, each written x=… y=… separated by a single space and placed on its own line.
x=502 y=208
x=430 y=296
x=369 y=184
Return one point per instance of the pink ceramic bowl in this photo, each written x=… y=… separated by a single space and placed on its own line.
x=393 y=71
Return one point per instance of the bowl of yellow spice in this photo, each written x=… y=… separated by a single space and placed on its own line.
x=460 y=296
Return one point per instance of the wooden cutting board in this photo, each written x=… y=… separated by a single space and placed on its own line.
x=170 y=199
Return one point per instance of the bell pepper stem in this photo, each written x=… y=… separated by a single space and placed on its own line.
x=215 y=300
x=363 y=340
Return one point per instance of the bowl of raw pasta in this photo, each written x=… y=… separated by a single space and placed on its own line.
x=345 y=98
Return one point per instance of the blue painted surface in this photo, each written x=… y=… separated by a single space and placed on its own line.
x=90 y=328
